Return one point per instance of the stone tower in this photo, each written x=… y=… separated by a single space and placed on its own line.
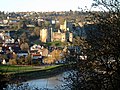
x=43 y=35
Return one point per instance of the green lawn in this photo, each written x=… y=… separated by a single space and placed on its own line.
x=20 y=69
x=31 y=72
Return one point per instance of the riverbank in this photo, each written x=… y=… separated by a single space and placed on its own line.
x=38 y=72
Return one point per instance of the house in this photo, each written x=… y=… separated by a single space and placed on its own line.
x=44 y=52
x=37 y=58
x=22 y=53
x=30 y=26
x=1 y=22
x=5 y=21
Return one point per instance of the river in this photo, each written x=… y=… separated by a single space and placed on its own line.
x=51 y=83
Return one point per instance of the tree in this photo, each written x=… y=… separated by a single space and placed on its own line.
x=47 y=23
x=54 y=57
x=37 y=31
x=3 y=81
x=104 y=42
x=24 y=26
x=24 y=46
x=101 y=70
x=20 y=24
x=24 y=42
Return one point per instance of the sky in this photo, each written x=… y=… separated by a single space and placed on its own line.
x=43 y=5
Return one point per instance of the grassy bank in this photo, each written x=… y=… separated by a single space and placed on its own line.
x=24 y=73
x=14 y=69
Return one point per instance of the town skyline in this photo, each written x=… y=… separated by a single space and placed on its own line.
x=44 y=5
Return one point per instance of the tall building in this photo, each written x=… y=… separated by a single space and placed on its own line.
x=43 y=35
x=46 y=35
x=67 y=26
x=64 y=26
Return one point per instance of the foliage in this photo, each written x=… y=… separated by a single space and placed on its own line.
x=3 y=81
x=28 y=60
x=55 y=43
x=21 y=86
x=101 y=70
x=104 y=51
x=37 y=31
x=24 y=46
x=54 y=57
x=24 y=60
x=12 y=61
x=32 y=38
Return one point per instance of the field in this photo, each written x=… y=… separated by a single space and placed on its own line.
x=12 y=69
x=25 y=73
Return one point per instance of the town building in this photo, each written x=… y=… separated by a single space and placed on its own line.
x=43 y=35
x=67 y=26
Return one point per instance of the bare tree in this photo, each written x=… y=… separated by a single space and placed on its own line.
x=101 y=70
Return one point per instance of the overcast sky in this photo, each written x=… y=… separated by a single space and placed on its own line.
x=43 y=5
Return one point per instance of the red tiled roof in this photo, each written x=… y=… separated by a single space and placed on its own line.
x=36 y=54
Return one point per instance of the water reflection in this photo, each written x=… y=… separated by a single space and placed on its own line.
x=51 y=83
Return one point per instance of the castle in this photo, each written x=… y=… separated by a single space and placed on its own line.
x=63 y=34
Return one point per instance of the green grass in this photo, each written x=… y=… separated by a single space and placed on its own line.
x=31 y=72
x=14 y=69
x=51 y=67
x=55 y=43
x=19 y=69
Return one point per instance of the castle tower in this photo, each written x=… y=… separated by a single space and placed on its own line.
x=65 y=25
x=43 y=35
